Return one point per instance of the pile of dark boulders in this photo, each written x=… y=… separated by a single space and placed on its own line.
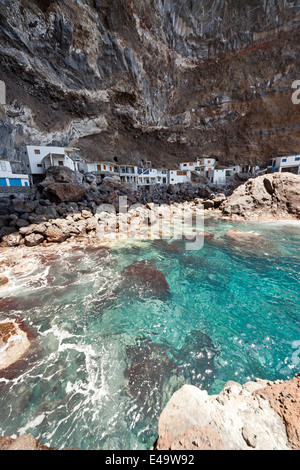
x=66 y=195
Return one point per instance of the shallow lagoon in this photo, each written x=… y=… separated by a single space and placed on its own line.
x=107 y=357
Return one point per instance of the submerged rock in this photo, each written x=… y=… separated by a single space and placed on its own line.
x=148 y=371
x=248 y=241
x=196 y=359
x=145 y=275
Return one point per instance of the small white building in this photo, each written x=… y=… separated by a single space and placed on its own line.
x=152 y=176
x=235 y=169
x=41 y=158
x=204 y=165
x=218 y=176
x=282 y=164
x=188 y=166
x=8 y=178
x=179 y=176
x=128 y=174
x=105 y=168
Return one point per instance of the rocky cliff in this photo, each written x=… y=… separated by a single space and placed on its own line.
x=155 y=80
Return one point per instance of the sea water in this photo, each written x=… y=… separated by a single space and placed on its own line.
x=107 y=356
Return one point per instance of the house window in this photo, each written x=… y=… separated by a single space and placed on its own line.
x=61 y=163
x=208 y=162
x=98 y=167
x=191 y=164
x=284 y=160
x=104 y=167
x=39 y=165
x=110 y=168
x=37 y=152
x=297 y=159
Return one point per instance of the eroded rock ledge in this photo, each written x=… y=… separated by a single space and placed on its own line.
x=266 y=197
x=259 y=415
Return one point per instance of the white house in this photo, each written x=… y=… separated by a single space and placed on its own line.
x=218 y=176
x=152 y=176
x=129 y=174
x=41 y=158
x=189 y=166
x=235 y=169
x=8 y=178
x=204 y=165
x=179 y=176
x=105 y=168
x=281 y=164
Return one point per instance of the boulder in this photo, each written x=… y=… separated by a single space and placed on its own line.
x=239 y=418
x=64 y=192
x=13 y=239
x=62 y=174
x=55 y=234
x=34 y=239
x=266 y=197
x=14 y=343
x=111 y=184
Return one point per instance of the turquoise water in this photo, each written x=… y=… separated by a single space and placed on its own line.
x=108 y=355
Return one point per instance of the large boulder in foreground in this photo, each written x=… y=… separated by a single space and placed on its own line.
x=14 y=344
x=274 y=196
x=63 y=192
x=259 y=415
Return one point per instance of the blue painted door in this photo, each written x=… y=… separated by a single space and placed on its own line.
x=3 y=182
x=15 y=182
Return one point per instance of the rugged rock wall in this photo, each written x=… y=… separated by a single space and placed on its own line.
x=154 y=79
x=259 y=415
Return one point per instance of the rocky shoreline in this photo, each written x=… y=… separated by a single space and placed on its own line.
x=68 y=206
x=259 y=415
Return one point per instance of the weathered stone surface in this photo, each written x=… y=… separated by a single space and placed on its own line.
x=14 y=343
x=62 y=174
x=55 y=234
x=237 y=419
x=167 y=116
x=34 y=239
x=64 y=192
x=13 y=239
x=266 y=197
x=284 y=398
x=111 y=184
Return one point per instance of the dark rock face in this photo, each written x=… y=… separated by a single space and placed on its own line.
x=63 y=192
x=156 y=80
